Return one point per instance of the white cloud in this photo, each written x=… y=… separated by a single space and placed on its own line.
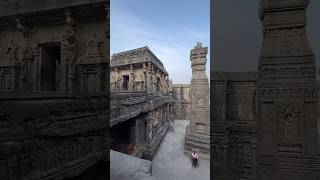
x=171 y=45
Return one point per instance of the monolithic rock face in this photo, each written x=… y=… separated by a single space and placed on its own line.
x=198 y=129
x=287 y=92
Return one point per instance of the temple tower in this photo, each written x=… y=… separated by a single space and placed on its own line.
x=287 y=93
x=198 y=131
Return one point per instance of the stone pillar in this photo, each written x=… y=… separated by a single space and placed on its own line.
x=147 y=154
x=153 y=79
x=68 y=61
x=145 y=78
x=117 y=79
x=149 y=78
x=287 y=93
x=198 y=130
x=131 y=79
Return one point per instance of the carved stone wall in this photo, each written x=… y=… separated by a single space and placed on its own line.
x=48 y=130
x=40 y=136
x=181 y=94
x=233 y=125
x=35 y=35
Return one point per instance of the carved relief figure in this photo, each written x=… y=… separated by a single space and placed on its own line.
x=289 y=124
x=217 y=152
x=12 y=50
x=144 y=76
x=69 y=44
x=131 y=78
x=117 y=79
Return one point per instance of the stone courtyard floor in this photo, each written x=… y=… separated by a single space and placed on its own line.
x=170 y=162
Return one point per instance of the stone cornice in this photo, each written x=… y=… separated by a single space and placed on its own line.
x=19 y=7
x=50 y=13
x=234 y=76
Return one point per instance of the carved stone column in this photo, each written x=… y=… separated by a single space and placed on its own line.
x=145 y=78
x=166 y=84
x=117 y=79
x=68 y=61
x=287 y=92
x=149 y=135
x=198 y=131
x=27 y=75
x=131 y=79
x=149 y=78
x=153 y=79
x=107 y=21
x=162 y=84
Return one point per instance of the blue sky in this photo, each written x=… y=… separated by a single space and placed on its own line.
x=170 y=28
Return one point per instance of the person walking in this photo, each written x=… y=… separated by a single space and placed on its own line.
x=194 y=158
x=172 y=129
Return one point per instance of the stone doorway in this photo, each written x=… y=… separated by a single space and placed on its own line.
x=50 y=65
x=125 y=79
x=123 y=137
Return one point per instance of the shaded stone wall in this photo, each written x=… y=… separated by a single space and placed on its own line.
x=233 y=124
x=64 y=135
x=53 y=89
x=181 y=94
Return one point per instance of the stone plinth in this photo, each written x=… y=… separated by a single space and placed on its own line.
x=198 y=131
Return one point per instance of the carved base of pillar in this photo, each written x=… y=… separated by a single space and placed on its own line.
x=284 y=167
x=197 y=142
